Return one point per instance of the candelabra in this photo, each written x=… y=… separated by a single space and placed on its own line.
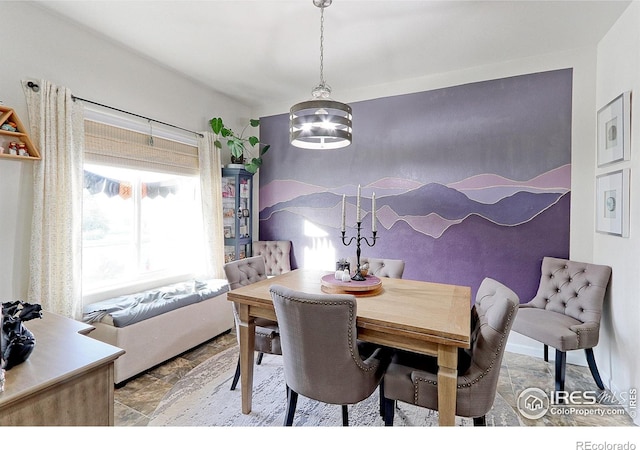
x=358 y=275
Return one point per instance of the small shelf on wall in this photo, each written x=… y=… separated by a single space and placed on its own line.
x=9 y=119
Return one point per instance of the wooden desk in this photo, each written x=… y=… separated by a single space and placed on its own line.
x=67 y=380
x=423 y=317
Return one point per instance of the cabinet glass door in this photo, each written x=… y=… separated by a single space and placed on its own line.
x=236 y=212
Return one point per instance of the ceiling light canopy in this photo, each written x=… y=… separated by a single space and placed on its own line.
x=321 y=122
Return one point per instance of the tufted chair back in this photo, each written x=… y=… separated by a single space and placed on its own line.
x=245 y=271
x=572 y=288
x=276 y=254
x=413 y=378
x=565 y=313
x=380 y=267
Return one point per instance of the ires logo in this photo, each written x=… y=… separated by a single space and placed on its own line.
x=533 y=403
x=581 y=398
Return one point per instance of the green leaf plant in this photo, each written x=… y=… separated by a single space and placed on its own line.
x=238 y=144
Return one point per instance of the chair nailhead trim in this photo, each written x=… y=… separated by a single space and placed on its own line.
x=479 y=377
x=355 y=358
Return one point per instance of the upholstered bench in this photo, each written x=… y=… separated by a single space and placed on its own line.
x=158 y=324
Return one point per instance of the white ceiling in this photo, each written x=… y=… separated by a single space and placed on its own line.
x=268 y=51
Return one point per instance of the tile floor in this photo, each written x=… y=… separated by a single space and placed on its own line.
x=138 y=398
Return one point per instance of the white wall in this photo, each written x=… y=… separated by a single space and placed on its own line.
x=38 y=45
x=618 y=70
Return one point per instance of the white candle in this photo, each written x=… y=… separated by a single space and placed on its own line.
x=344 y=211
x=373 y=212
x=358 y=206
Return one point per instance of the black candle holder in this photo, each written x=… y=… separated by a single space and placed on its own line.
x=358 y=275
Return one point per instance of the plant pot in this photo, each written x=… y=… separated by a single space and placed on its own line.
x=237 y=160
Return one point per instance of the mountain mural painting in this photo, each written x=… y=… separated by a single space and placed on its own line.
x=493 y=204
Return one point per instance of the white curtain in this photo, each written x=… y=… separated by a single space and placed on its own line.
x=211 y=188
x=56 y=123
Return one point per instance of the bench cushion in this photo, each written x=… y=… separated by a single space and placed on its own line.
x=132 y=308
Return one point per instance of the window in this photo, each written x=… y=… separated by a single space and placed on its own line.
x=138 y=226
x=142 y=222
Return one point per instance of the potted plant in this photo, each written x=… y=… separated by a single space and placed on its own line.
x=237 y=143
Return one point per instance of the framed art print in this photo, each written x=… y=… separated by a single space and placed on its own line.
x=612 y=203
x=614 y=130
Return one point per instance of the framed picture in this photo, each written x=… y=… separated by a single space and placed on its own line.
x=614 y=130
x=612 y=203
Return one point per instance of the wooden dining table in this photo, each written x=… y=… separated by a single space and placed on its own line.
x=419 y=316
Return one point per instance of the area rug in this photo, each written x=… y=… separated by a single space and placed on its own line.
x=203 y=398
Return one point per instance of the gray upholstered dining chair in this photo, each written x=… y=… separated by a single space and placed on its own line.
x=240 y=273
x=380 y=267
x=276 y=254
x=320 y=352
x=413 y=379
x=565 y=313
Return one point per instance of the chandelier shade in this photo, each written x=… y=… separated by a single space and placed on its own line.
x=320 y=123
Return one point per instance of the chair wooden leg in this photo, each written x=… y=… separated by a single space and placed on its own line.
x=292 y=400
x=389 y=411
x=561 y=365
x=236 y=376
x=593 y=368
x=345 y=416
x=546 y=353
x=480 y=421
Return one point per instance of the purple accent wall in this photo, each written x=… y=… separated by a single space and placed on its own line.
x=471 y=181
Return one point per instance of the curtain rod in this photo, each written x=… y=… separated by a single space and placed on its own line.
x=36 y=88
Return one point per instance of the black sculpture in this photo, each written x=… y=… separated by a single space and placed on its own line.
x=17 y=342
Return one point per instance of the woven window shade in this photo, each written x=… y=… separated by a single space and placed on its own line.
x=106 y=144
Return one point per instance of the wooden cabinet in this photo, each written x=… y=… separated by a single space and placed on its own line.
x=237 y=194
x=12 y=131
x=67 y=380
